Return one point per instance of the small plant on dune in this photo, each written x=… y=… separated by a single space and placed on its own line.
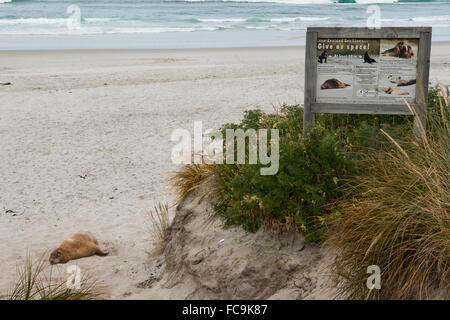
x=397 y=216
x=32 y=283
x=160 y=221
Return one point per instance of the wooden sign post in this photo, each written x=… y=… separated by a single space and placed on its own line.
x=366 y=71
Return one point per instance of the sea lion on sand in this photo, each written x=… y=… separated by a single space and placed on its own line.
x=368 y=59
x=400 y=50
x=393 y=79
x=78 y=246
x=406 y=52
x=403 y=83
x=394 y=91
x=393 y=52
x=333 y=84
x=400 y=82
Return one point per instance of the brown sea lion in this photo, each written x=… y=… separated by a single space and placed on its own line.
x=403 y=83
x=78 y=246
x=393 y=52
x=410 y=51
x=400 y=51
x=406 y=52
x=394 y=91
x=333 y=84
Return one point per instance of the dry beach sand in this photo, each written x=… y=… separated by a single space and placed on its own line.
x=85 y=142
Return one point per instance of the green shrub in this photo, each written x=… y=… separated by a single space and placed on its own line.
x=312 y=170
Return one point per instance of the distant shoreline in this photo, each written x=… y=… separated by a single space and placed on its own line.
x=445 y=43
x=167 y=40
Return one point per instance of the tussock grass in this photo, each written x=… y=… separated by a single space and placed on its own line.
x=397 y=216
x=160 y=221
x=190 y=177
x=33 y=284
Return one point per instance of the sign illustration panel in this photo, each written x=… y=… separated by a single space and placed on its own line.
x=369 y=71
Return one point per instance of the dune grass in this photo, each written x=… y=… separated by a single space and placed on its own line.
x=397 y=216
x=190 y=177
x=35 y=283
x=160 y=221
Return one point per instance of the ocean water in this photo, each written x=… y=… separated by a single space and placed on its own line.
x=65 y=24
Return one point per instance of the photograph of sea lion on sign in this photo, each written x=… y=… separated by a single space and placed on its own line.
x=392 y=85
x=398 y=68
x=332 y=51
x=366 y=70
x=349 y=67
x=400 y=49
x=337 y=87
x=333 y=84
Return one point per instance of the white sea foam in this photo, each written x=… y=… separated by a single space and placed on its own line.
x=34 y=21
x=100 y=19
x=313 y=18
x=286 y=19
x=255 y=19
x=95 y=31
x=50 y=21
x=282 y=1
x=305 y=1
x=431 y=18
x=223 y=20
x=292 y=19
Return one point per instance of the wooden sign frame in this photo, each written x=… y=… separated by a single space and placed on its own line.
x=311 y=106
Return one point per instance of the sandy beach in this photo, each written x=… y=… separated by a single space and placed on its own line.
x=85 y=141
